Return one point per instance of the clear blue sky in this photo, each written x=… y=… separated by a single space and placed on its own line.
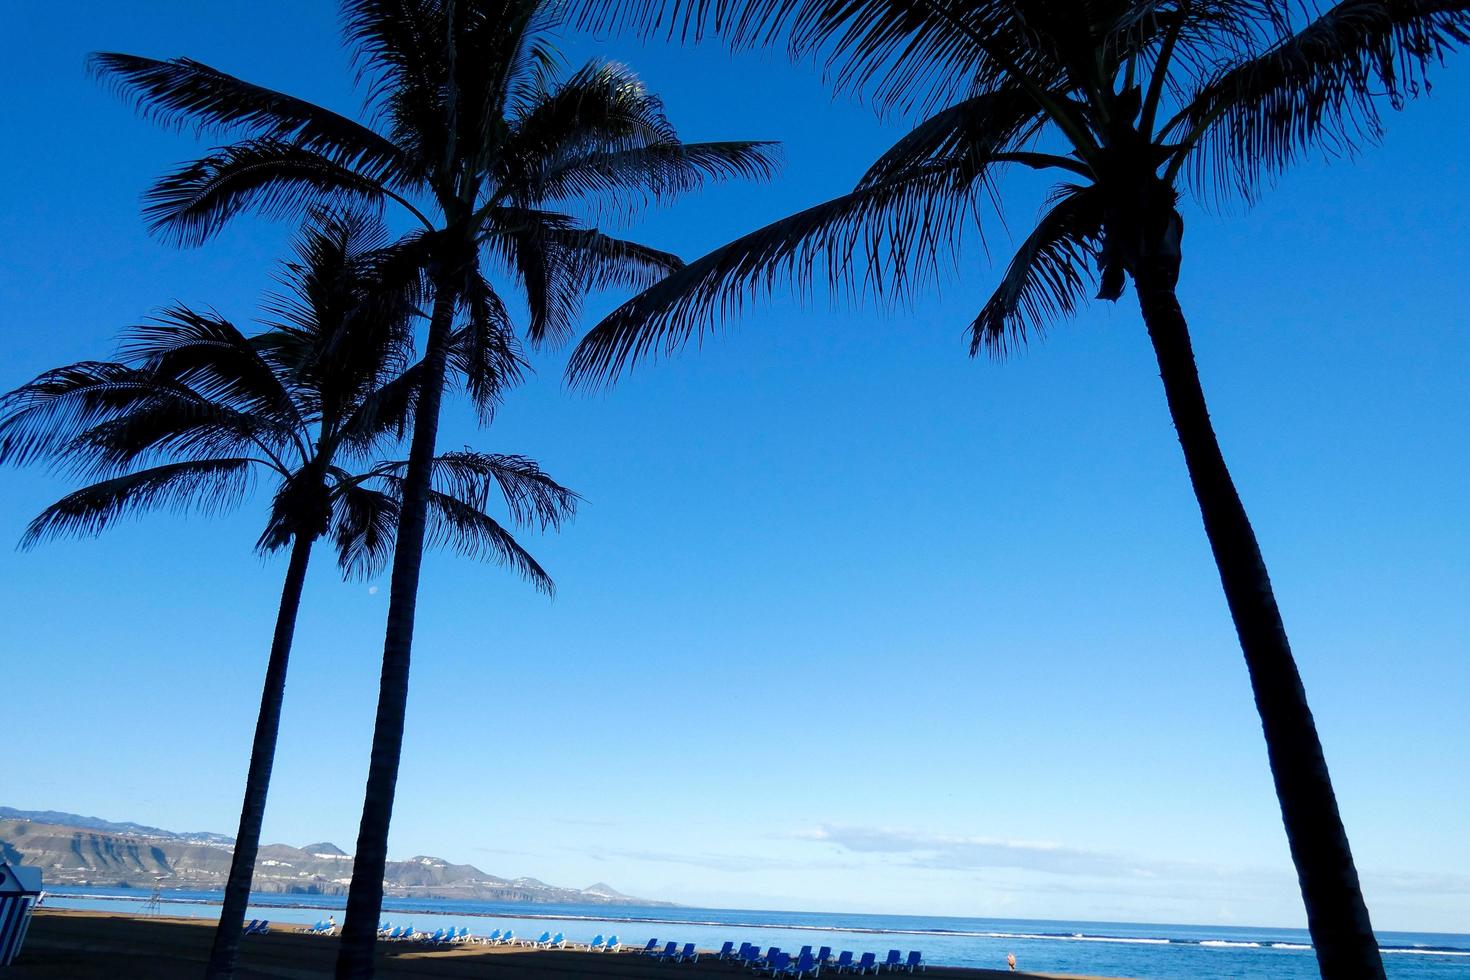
x=849 y=621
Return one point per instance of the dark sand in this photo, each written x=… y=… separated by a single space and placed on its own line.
x=105 y=946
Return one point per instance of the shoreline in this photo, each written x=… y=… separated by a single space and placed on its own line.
x=266 y=903
x=453 y=907
x=84 y=945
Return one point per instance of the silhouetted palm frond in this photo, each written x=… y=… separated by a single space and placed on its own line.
x=530 y=495
x=901 y=226
x=484 y=351
x=558 y=263
x=1049 y=275
x=208 y=355
x=1317 y=88
x=205 y=486
x=270 y=176
x=623 y=180
x=171 y=425
x=188 y=94
x=601 y=107
x=364 y=528
x=472 y=533
x=47 y=413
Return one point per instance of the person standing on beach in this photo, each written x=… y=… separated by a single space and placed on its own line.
x=1011 y=961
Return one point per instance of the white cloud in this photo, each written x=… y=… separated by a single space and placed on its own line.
x=961 y=853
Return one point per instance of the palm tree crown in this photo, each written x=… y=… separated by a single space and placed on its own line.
x=194 y=411
x=1126 y=101
x=481 y=145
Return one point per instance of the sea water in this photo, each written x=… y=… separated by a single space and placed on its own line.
x=1115 y=949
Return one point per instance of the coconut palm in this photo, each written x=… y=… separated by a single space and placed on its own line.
x=496 y=161
x=1128 y=103
x=195 y=411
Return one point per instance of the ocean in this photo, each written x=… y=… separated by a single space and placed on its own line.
x=1117 y=949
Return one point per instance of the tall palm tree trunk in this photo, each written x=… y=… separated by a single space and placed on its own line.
x=226 y=948
x=365 y=896
x=1336 y=913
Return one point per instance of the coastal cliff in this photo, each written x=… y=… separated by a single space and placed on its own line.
x=74 y=850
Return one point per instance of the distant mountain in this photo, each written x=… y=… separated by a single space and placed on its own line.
x=97 y=823
x=76 y=850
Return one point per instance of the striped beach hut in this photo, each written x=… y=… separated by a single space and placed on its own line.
x=19 y=889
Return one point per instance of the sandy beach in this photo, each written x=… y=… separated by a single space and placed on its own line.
x=105 y=946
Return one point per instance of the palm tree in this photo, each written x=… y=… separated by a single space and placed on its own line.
x=1128 y=102
x=195 y=410
x=492 y=158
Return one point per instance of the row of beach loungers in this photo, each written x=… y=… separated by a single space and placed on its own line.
x=497 y=938
x=776 y=963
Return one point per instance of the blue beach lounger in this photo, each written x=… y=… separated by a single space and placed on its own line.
x=805 y=951
x=596 y=943
x=650 y=949
x=557 y=941
x=264 y=928
x=914 y=962
x=805 y=966
x=493 y=938
x=844 y=962
x=667 y=952
x=509 y=938
x=613 y=945
x=778 y=964
x=727 y=951
x=687 y=955
x=540 y=940
x=894 y=961
x=824 y=954
x=249 y=929
x=868 y=964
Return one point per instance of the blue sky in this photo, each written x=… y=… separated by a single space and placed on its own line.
x=849 y=620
